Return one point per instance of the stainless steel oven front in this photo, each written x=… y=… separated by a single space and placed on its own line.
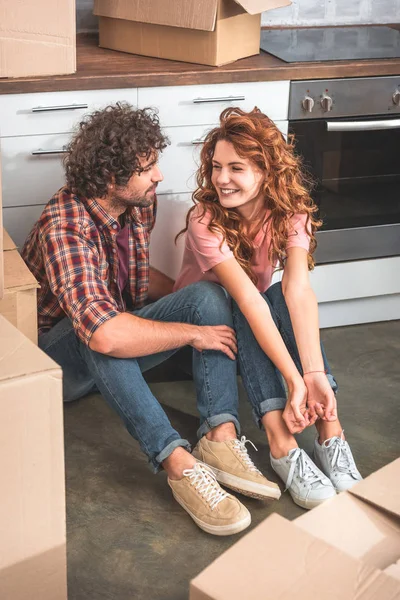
x=348 y=134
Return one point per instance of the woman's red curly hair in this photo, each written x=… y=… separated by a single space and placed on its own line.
x=286 y=188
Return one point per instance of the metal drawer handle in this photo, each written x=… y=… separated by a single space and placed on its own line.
x=51 y=108
x=40 y=151
x=197 y=142
x=222 y=99
x=362 y=125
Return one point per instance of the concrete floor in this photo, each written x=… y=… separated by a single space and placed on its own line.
x=128 y=538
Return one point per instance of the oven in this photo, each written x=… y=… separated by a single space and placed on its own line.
x=348 y=134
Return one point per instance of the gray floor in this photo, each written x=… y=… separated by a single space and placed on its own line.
x=127 y=537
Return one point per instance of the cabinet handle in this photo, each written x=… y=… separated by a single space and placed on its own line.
x=197 y=142
x=362 y=125
x=222 y=99
x=65 y=107
x=40 y=152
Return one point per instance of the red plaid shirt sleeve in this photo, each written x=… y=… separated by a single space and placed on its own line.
x=72 y=267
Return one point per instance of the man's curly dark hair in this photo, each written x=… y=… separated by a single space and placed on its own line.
x=107 y=146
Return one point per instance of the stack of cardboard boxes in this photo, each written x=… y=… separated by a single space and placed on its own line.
x=32 y=503
x=346 y=549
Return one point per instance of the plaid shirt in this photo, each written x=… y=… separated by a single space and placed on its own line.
x=73 y=254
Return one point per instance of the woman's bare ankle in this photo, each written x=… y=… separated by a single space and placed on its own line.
x=280 y=440
x=279 y=449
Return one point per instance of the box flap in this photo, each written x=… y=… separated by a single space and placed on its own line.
x=394 y=570
x=279 y=560
x=381 y=488
x=190 y=14
x=357 y=528
x=7 y=241
x=26 y=21
x=256 y=7
x=19 y=356
x=17 y=276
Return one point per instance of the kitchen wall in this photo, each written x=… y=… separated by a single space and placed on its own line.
x=301 y=12
x=334 y=12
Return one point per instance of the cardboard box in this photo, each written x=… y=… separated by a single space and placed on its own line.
x=346 y=549
x=32 y=515
x=37 y=38
x=209 y=32
x=19 y=302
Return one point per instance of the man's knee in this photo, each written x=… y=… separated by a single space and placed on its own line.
x=212 y=303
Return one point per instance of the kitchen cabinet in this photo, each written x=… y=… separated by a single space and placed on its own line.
x=35 y=128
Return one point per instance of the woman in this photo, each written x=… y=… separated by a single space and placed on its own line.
x=252 y=213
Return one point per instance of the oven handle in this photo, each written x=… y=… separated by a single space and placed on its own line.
x=362 y=125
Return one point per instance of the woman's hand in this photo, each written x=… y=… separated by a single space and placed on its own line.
x=295 y=414
x=321 y=401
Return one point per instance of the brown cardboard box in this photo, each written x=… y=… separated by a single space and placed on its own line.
x=209 y=32
x=345 y=549
x=19 y=305
x=32 y=515
x=37 y=38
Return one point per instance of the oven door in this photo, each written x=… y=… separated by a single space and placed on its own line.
x=356 y=166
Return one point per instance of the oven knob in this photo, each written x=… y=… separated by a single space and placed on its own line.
x=396 y=98
x=308 y=103
x=326 y=103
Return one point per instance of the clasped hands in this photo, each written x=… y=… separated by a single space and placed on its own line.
x=310 y=398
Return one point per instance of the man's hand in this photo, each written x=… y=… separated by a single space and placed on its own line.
x=295 y=414
x=321 y=401
x=216 y=337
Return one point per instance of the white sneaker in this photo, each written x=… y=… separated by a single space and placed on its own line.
x=335 y=459
x=307 y=485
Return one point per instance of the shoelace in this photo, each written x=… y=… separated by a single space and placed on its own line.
x=204 y=481
x=240 y=446
x=306 y=468
x=342 y=459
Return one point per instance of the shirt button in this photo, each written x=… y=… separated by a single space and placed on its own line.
x=114 y=250
x=115 y=280
x=101 y=227
x=115 y=226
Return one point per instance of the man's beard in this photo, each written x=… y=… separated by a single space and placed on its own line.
x=118 y=202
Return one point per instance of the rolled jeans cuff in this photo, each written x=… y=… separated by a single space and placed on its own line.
x=267 y=406
x=216 y=420
x=332 y=382
x=156 y=462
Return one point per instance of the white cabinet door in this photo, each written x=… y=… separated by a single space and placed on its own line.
x=54 y=112
x=202 y=104
x=165 y=255
x=30 y=175
x=179 y=161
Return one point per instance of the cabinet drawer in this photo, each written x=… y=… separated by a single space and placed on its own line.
x=165 y=255
x=54 y=112
x=30 y=178
x=179 y=161
x=19 y=221
x=202 y=104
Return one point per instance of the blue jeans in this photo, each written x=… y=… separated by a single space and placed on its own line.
x=261 y=379
x=121 y=382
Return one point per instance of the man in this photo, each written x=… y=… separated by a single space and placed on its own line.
x=89 y=253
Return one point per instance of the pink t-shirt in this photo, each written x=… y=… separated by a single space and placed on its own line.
x=203 y=251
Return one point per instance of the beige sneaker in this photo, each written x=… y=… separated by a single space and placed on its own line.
x=234 y=468
x=212 y=509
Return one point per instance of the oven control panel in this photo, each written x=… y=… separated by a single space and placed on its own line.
x=353 y=97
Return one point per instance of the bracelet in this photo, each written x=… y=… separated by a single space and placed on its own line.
x=309 y=372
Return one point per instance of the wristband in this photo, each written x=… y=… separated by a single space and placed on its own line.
x=309 y=372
